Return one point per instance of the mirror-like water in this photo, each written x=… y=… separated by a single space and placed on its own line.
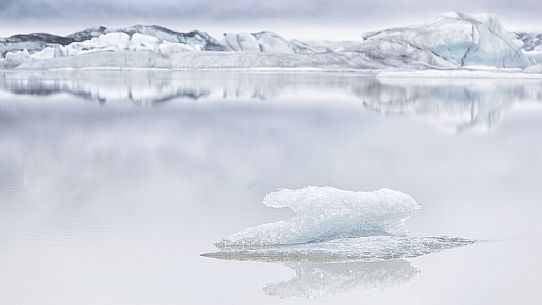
x=113 y=183
x=454 y=105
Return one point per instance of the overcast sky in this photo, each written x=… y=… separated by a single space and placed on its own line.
x=295 y=17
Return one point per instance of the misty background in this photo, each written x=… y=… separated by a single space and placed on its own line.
x=312 y=19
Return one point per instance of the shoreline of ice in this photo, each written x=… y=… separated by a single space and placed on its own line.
x=444 y=74
x=381 y=74
x=458 y=74
x=270 y=69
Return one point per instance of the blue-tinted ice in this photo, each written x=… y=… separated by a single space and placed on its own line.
x=335 y=225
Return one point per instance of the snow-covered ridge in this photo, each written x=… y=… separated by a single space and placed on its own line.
x=451 y=41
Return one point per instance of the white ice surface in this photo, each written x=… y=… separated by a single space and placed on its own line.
x=327 y=213
x=452 y=41
x=167 y=47
x=16 y=58
x=242 y=42
x=272 y=42
x=334 y=225
x=535 y=55
x=258 y=42
x=534 y=69
x=141 y=58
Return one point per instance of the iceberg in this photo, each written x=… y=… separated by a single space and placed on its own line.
x=334 y=225
x=326 y=213
x=452 y=41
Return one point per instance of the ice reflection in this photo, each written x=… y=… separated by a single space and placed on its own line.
x=451 y=105
x=321 y=279
x=324 y=277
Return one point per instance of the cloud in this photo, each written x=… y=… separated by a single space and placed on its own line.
x=250 y=9
x=284 y=15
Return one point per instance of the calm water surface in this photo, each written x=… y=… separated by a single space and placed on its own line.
x=113 y=183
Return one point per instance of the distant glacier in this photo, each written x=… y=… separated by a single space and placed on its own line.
x=451 y=41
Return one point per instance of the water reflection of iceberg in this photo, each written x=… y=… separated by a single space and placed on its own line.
x=453 y=105
x=321 y=279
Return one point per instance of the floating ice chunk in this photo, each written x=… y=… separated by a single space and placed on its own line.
x=334 y=225
x=326 y=213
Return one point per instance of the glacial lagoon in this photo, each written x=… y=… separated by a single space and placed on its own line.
x=114 y=183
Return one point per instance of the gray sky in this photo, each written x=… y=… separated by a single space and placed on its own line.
x=308 y=18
